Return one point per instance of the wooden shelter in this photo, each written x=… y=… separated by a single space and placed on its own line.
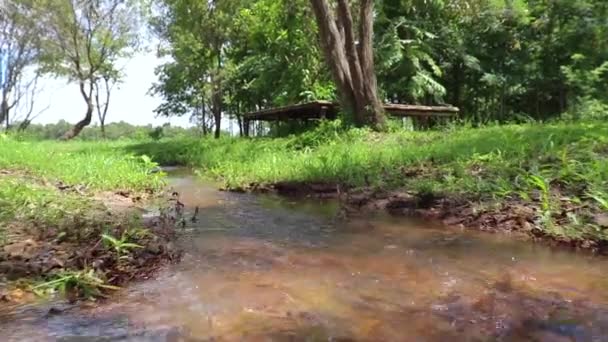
x=329 y=110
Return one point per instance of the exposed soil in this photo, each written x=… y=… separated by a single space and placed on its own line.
x=30 y=253
x=516 y=217
x=294 y=189
x=512 y=216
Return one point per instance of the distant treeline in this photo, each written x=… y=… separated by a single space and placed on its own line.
x=114 y=131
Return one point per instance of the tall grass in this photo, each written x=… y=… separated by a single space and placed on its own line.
x=97 y=165
x=494 y=161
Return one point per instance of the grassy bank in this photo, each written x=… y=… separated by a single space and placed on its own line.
x=69 y=219
x=560 y=170
x=96 y=165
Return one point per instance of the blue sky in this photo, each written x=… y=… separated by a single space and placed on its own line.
x=130 y=101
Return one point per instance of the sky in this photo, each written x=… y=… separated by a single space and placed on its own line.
x=129 y=100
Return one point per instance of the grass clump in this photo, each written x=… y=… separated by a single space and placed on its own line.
x=75 y=284
x=60 y=214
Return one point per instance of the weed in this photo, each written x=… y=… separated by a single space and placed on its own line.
x=601 y=198
x=81 y=284
x=121 y=246
x=542 y=185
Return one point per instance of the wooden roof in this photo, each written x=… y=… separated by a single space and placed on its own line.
x=416 y=110
x=310 y=110
x=325 y=109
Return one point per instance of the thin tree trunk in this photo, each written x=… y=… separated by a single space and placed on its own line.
x=76 y=129
x=4 y=111
x=102 y=113
x=23 y=125
x=217 y=94
x=239 y=119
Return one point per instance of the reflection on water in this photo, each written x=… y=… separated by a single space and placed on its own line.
x=261 y=268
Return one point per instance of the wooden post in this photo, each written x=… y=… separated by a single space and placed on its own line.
x=323 y=112
x=246 y=127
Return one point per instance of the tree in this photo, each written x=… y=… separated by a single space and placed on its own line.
x=351 y=61
x=24 y=111
x=237 y=56
x=84 y=39
x=103 y=90
x=196 y=32
x=18 y=51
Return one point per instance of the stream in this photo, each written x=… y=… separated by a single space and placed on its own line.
x=265 y=268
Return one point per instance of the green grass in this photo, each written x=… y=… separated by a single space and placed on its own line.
x=496 y=160
x=30 y=172
x=23 y=200
x=96 y=165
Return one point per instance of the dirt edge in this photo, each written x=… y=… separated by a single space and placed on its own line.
x=513 y=217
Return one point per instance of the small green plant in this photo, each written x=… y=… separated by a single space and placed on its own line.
x=83 y=284
x=542 y=185
x=600 y=198
x=120 y=246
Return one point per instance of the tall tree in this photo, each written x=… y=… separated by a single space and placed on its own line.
x=18 y=51
x=196 y=32
x=84 y=39
x=351 y=58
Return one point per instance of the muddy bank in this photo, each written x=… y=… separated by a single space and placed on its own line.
x=518 y=218
x=114 y=238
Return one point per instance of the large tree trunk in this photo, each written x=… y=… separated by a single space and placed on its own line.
x=351 y=64
x=74 y=131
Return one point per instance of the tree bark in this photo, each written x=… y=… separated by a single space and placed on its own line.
x=217 y=93
x=4 y=113
x=217 y=107
x=78 y=127
x=351 y=64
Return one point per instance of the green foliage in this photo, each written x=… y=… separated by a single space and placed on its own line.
x=499 y=61
x=82 y=40
x=121 y=246
x=83 y=284
x=259 y=53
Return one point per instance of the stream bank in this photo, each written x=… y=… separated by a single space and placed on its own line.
x=83 y=244
x=544 y=182
x=517 y=218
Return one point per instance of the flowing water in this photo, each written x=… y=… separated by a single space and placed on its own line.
x=261 y=268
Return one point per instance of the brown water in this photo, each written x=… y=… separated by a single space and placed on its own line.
x=260 y=268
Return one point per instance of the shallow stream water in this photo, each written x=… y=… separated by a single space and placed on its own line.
x=264 y=268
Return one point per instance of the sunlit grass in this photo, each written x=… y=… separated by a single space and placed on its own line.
x=494 y=161
x=96 y=165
